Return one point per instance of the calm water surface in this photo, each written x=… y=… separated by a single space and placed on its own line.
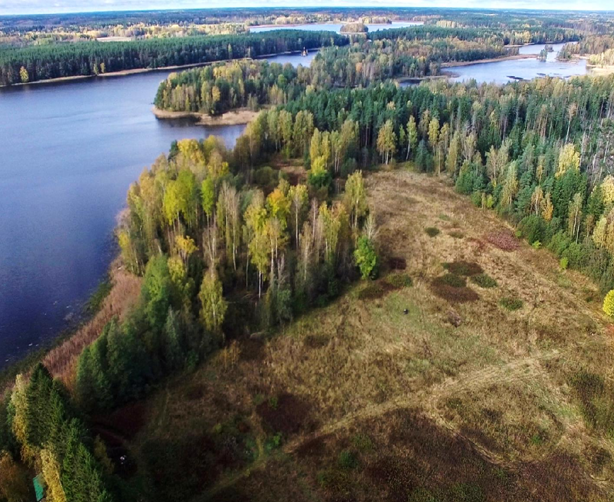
x=68 y=153
x=501 y=71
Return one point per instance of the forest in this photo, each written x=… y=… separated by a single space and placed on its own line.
x=33 y=63
x=229 y=242
x=419 y=53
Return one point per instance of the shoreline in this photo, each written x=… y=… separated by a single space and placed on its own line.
x=137 y=71
x=445 y=74
x=452 y=64
x=240 y=116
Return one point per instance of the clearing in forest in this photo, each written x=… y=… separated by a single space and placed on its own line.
x=469 y=371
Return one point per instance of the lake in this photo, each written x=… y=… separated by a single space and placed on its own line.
x=336 y=27
x=500 y=72
x=68 y=153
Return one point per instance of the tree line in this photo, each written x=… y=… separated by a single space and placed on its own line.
x=29 y=64
x=538 y=152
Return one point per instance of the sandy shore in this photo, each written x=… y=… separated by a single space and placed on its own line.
x=235 y=117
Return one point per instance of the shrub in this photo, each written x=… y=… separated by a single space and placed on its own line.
x=95 y=302
x=400 y=281
x=484 y=281
x=559 y=243
x=266 y=176
x=476 y=199
x=320 y=179
x=511 y=303
x=372 y=292
x=456 y=281
x=577 y=254
x=608 y=304
x=564 y=263
x=348 y=460
x=533 y=228
x=432 y=231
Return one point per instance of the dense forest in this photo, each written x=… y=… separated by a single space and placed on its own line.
x=417 y=53
x=35 y=63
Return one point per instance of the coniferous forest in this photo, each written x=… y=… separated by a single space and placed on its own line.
x=242 y=243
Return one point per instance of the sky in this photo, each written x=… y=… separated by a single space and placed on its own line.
x=62 y=6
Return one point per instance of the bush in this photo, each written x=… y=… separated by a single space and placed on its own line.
x=400 y=281
x=564 y=263
x=94 y=304
x=576 y=254
x=432 y=231
x=456 y=281
x=533 y=228
x=348 y=460
x=476 y=199
x=559 y=243
x=511 y=303
x=484 y=281
x=266 y=176
x=608 y=304
x=319 y=180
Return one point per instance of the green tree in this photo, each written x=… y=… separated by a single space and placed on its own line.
x=366 y=258
x=156 y=291
x=412 y=137
x=355 y=198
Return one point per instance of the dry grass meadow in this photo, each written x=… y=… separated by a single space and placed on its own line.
x=423 y=386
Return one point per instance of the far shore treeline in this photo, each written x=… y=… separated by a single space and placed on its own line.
x=44 y=62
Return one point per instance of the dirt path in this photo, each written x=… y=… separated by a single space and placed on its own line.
x=524 y=369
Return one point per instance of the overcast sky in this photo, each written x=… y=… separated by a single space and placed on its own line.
x=54 y=6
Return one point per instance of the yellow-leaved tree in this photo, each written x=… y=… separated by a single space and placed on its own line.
x=608 y=304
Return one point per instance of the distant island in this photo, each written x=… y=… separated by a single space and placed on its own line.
x=354 y=28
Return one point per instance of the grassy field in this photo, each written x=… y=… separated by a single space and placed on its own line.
x=473 y=370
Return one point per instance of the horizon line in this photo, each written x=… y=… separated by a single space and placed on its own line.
x=323 y=8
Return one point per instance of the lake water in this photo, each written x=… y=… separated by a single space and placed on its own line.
x=336 y=27
x=294 y=59
x=500 y=72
